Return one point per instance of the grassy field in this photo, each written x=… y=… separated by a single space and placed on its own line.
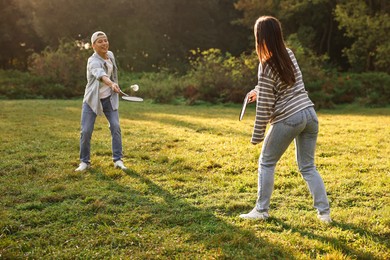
x=192 y=171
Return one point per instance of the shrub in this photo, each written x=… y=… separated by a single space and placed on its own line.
x=161 y=87
x=318 y=81
x=18 y=85
x=345 y=88
x=319 y=93
x=55 y=90
x=375 y=88
x=219 y=77
x=62 y=69
x=208 y=74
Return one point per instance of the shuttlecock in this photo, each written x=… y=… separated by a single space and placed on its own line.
x=134 y=87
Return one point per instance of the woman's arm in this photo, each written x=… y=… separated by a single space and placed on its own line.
x=264 y=104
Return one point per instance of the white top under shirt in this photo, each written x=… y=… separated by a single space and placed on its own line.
x=105 y=90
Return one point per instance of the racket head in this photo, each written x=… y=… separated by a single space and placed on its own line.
x=132 y=99
x=243 y=109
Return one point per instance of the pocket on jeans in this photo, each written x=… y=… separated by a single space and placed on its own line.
x=313 y=114
x=294 y=120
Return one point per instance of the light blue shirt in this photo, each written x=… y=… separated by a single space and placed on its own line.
x=96 y=69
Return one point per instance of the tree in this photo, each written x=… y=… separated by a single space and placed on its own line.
x=145 y=34
x=311 y=20
x=368 y=24
x=17 y=39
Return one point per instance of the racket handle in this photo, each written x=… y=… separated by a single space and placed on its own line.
x=123 y=93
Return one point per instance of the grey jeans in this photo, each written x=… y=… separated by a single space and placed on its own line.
x=88 y=118
x=302 y=127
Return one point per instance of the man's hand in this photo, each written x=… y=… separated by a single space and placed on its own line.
x=115 y=87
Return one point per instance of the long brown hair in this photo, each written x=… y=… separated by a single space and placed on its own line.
x=271 y=49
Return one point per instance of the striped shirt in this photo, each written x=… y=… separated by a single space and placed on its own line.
x=276 y=100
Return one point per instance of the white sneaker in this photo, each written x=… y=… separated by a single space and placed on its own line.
x=325 y=218
x=254 y=214
x=82 y=167
x=119 y=164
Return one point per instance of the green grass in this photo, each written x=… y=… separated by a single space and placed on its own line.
x=192 y=171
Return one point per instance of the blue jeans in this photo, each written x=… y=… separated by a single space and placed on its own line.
x=88 y=118
x=302 y=127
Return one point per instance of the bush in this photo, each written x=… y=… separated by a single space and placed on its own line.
x=346 y=88
x=219 y=77
x=317 y=80
x=329 y=87
x=161 y=87
x=213 y=77
x=371 y=89
x=319 y=93
x=19 y=85
x=63 y=69
x=375 y=88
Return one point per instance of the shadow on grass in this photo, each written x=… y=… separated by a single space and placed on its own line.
x=198 y=226
x=196 y=127
x=335 y=242
x=380 y=239
x=356 y=110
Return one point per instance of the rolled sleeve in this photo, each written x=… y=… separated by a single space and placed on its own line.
x=96 y=70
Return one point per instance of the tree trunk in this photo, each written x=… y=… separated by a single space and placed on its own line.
x=328 y=47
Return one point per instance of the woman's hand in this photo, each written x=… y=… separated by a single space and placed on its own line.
x=252 y=96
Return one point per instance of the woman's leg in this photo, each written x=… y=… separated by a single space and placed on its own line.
x=277 y=140
x=305 y=144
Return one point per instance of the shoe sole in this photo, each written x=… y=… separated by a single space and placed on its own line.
x=81 y=170
x=88 y=167
x=326 y=220
x=254 y=218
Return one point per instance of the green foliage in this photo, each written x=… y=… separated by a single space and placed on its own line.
x=345 y=88
x=369 y=27
x=145 y=35
x=24 y=85
x=370 y=89
x=221 y=77
x=18 y=85
x=376 y=88
x=17 y=39
x=327 y=87
x=162 y=87
x=149 y=35
x=62 y=69
x=316 y=30
x=315 y=77
x=192 y=171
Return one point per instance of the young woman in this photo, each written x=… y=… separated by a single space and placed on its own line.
x=100 y=97
x=282 y=101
